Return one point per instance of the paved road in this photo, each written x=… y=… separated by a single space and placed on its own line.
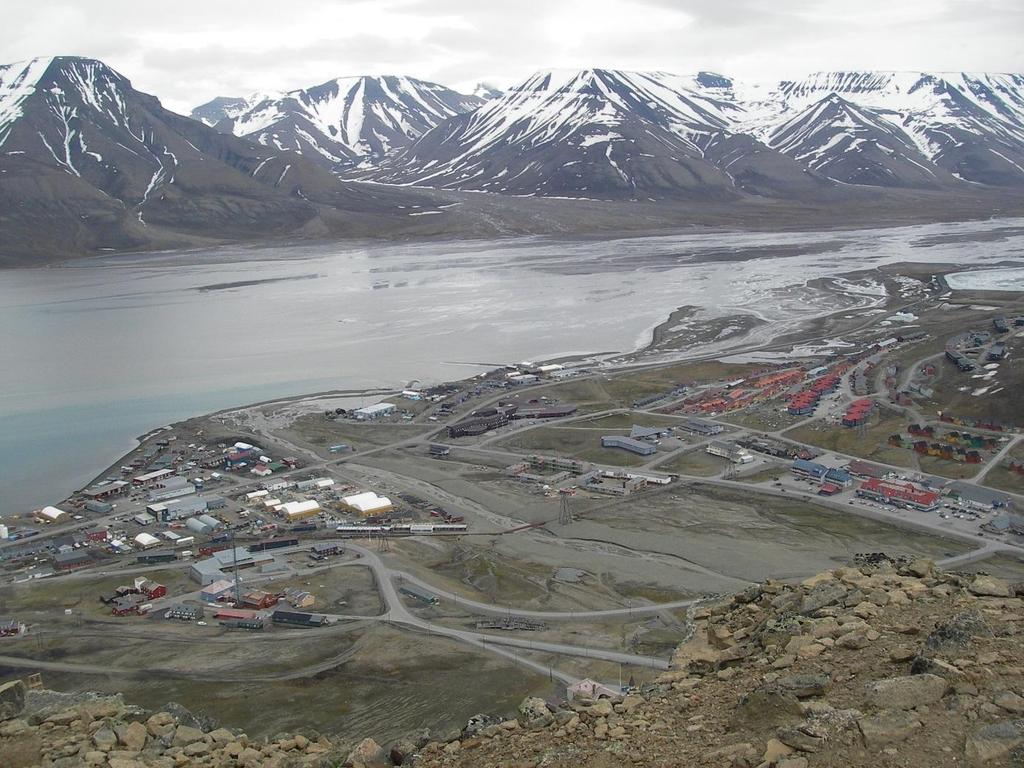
x=995 y=460
x=397 y=613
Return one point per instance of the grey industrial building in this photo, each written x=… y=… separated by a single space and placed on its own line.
x=223 y=563
x=173 y=488
x=177 y=509
x=555 y=411
x=297 y=619
x=196 y=525
x=628 y=444
x=639 y=432
x=702 y=427
x=484 y=420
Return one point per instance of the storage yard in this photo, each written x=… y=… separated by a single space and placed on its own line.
x=580 y=505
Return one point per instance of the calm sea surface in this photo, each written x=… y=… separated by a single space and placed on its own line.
x=99 y=352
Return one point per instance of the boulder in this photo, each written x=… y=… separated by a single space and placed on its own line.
x=958 y=632
x=926 y=665
x=132 y=736
x=902 y=653
x=804 y=686
x=601 y=708
x=905 y=692
x=196 y=748
x=989 y=586
x=823 y=595
x=223 y=736
x=800 y=739
x=533 y=708
x=887 y=727
x=101 y=707
x=159 y=730
x=104 y=739
x=730 y=753
x=185 y=735
x=369 y=754
x=629 y=703
x=853 y=640
x=185 y=716
x=768 y=705
x=920 y=568
x=401 y=751
x=1009 y=701
x=774 y=750
x=993 y=742
x=12 y=699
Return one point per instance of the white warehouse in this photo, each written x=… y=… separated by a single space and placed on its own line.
x=373 y=411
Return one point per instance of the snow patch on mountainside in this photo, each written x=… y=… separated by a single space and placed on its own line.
x=17 y=82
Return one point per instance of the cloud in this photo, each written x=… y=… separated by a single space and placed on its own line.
x=189 y=51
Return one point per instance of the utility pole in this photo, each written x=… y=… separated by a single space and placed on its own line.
x=564 y=512
x=234 y=565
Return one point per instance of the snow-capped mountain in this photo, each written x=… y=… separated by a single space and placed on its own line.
x=969 y=126
x=222 y=107
x=86 y=161
x=345 y=121
x=854 y=145
x=635 y=135
x=603 y=134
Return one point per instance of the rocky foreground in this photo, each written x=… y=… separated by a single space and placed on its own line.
x=878 y=665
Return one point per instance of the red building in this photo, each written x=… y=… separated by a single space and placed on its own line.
x=857 y=412
x=97 y=534
x=153 y=590
x=127 y=605
x=899 y=494
x=258 y=600
x=234 y=614
x=864 y=469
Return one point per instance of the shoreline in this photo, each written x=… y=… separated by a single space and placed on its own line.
x=655 y=335
x=748 y=216
x=749 y=341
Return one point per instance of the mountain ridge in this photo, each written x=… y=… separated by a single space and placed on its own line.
x=345 y=120
x=88 y=162
x=962 y=127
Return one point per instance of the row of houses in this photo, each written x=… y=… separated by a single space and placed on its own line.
x=954 y=437
x=806 y=400
x=938 y=450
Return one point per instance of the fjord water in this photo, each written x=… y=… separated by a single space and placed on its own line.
x=100 y=351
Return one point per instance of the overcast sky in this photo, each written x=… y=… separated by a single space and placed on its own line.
x=188 y=51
